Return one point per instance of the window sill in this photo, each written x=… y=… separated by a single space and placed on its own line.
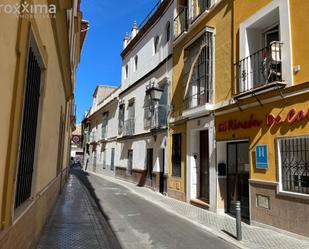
x=293 y=194
x=201 y=109
x=260 y=90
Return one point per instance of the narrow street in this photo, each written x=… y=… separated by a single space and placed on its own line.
x=122 y=220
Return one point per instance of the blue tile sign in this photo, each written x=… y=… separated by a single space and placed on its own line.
x=261 y=157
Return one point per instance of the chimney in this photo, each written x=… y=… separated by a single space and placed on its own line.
x=126 y=40
x=134 y=30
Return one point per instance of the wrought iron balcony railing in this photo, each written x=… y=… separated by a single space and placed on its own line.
x=181 y=22
x=196 y=100
x=259 y=69
x=157 y=117
x=129 y=127
x=199 y=6
x=104 y=132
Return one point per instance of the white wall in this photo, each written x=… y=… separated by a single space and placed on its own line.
x=145 y=50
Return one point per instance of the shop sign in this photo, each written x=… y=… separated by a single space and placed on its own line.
x=292 y=117
x=235 y=125
x=261 y=157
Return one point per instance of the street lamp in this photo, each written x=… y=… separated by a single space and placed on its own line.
x=154 y=92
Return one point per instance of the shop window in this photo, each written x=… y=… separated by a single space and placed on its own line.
x=294 y=160
x=176 y=155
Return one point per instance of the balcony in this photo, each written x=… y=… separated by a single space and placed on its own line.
x=181 y=22
x=129 y=127
x=198 y=7
x=104 y=133
x=92 y=137
x=157 y=118
x=260 y=71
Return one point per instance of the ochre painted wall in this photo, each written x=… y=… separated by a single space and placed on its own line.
x=263 y=134
x=220 y=18
x=14 y=39
x=299 y=9
x=7 y=72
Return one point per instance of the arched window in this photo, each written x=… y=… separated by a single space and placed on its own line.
x=135 y=63
x=168 y=31
x=156 y=44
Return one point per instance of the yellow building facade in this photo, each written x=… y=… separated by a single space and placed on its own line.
x=262 y=134
x=40 y=50
x=202 y=40
x=250 y=105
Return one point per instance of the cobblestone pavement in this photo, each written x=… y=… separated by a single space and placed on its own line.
x=253 y=237
x=76 y=222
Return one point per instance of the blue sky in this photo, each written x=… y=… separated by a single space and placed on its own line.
x=100 y=61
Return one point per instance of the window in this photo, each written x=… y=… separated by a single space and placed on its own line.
x=156 y=44
x=130 y=122
x=168 y=32
x=126 y=71
x=176 y=155
x=121 y=118
x=135 y=63
x=198 y=71
x=293 y=161
x=104 y=125
x=28 y=144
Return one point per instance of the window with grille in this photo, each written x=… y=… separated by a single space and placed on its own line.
x=198 y=71
x=121 y=118
x=104 y=125
x=294 y=163
x=176 y=155
x=28 y=130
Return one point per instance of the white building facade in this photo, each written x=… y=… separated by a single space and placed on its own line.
x=143 y=101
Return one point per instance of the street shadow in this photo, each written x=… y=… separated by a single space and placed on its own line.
x=229 y=234
x=82 y=176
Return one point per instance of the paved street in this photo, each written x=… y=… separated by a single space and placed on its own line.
x=135 y=222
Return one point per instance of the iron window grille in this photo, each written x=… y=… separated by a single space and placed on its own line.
x=199 y=6
x=181 y=21
x=294 y=158
x=198 y=71
x=28 y=130
x=176 y=155
x=104 y=125
x=121 y=119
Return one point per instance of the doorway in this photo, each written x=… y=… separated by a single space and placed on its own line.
x=149 y=163
x=238 y=177
x=162 y=187
x=130 y=162
x=204 y=165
